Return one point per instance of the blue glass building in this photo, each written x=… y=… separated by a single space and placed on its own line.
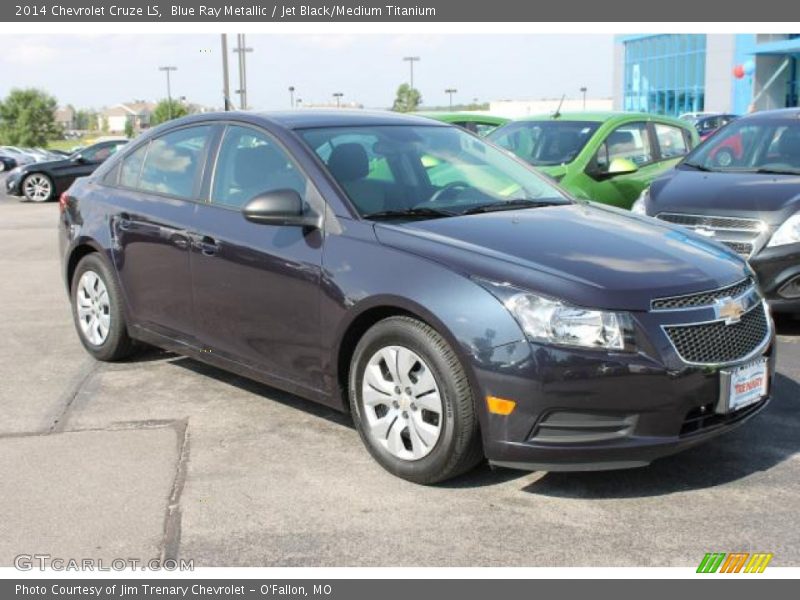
x=679 y=73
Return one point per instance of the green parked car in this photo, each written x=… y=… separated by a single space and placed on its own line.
x=608 y=157
x=474 y=122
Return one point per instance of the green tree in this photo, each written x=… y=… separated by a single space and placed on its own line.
x=408 y=99
x=86 y=120
x=129 y=132
x=166 y=110
x=27 y=118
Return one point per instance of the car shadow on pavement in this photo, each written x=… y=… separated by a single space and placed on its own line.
x=758 y=445
x=268 y=392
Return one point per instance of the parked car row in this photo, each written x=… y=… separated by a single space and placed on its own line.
x=44 y=181
x=457 y=302
x=12 y=156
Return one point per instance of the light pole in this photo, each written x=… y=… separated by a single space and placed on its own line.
x=226 y=98
x=338 y=96
x=291 y=96
x=298 y=102
x=411 y=60
x=167 y=70
x=583 y=91
x=450 y=92
x=242 y=49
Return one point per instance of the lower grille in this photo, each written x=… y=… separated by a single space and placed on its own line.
x=714 y=343
x=703 y=418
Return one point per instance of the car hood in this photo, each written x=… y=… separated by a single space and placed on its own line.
x=586 y=254
x=770 y=198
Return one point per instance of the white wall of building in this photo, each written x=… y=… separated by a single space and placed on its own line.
x=515 y=109
x=720 y=50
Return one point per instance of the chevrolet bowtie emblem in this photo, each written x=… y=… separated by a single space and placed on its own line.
x=729 y=309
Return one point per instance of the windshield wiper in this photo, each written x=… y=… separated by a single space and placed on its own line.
x=769 y=171
x=417 y=211
x=696 y=166
x=511 y=205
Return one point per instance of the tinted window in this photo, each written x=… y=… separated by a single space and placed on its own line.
x=671 y=141
x=100 y=153
x=545 y=142
x=132 y=168
x=173 y=162
x=630 y=141
x=249 y=164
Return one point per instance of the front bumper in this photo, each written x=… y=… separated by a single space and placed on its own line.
x=586 y=410
x=778 y=272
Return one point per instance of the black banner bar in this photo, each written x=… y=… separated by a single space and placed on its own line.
x=395 y=11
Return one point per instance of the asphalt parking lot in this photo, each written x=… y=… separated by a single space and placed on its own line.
x=163 y=456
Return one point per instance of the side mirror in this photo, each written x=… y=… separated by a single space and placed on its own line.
x=78 y=158
x=621 y=166
x=279 y=207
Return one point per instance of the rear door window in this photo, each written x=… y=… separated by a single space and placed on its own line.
x=174 y=162
x=630 y=141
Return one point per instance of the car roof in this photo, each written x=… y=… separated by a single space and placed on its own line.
x=779 y=113
x=449 y=117
x=603 y=116
x=312 y=118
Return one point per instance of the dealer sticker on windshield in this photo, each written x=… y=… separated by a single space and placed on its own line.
x=748 y=384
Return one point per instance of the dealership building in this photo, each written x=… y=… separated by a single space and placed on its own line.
x=678 y=73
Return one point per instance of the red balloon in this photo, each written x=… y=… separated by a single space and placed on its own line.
x=738 y=71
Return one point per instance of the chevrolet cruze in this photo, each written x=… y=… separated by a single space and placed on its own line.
x=457 y=303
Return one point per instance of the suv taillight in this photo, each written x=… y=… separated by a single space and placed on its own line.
x=63 y=201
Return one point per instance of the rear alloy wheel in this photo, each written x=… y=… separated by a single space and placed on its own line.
x=37 y=187
x=412 y=403
x=98 y=312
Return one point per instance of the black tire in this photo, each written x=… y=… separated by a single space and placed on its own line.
x=117 y=344
x=50 y=195
x=458 y=448
x=724 y=158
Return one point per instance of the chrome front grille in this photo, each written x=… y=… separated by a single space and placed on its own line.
x=719 y=343
x=703 y=298
x=740 y=234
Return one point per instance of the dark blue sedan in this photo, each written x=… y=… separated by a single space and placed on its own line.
x=456 y=302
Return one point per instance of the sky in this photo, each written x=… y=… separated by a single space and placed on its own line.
x=92 y=71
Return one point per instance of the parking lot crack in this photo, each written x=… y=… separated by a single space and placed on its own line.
x=172 y=521
x=88 y=369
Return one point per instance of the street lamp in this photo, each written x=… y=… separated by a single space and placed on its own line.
x=338 y=96
x=291 y=96
x=167 y=70
x=583 y=91
x=450 y=92
x=411 y=60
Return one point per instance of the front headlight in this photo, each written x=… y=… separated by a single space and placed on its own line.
x=788 y=233
x=554 y=322
x=640 y=206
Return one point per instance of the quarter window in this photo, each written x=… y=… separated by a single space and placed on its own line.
x=132 y=168
x=671 y=141
x=174 y=161
x=249 y=164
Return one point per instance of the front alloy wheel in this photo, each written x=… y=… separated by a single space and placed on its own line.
x=412 y=403
x=37 y=188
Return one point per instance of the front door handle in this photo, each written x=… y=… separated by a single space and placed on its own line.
x=206 y=244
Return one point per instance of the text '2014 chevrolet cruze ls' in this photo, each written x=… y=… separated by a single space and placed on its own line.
x=459 y=304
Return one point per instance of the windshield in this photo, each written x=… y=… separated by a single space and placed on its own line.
x=751 y=145
x=425 y=170
x=543 y=143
